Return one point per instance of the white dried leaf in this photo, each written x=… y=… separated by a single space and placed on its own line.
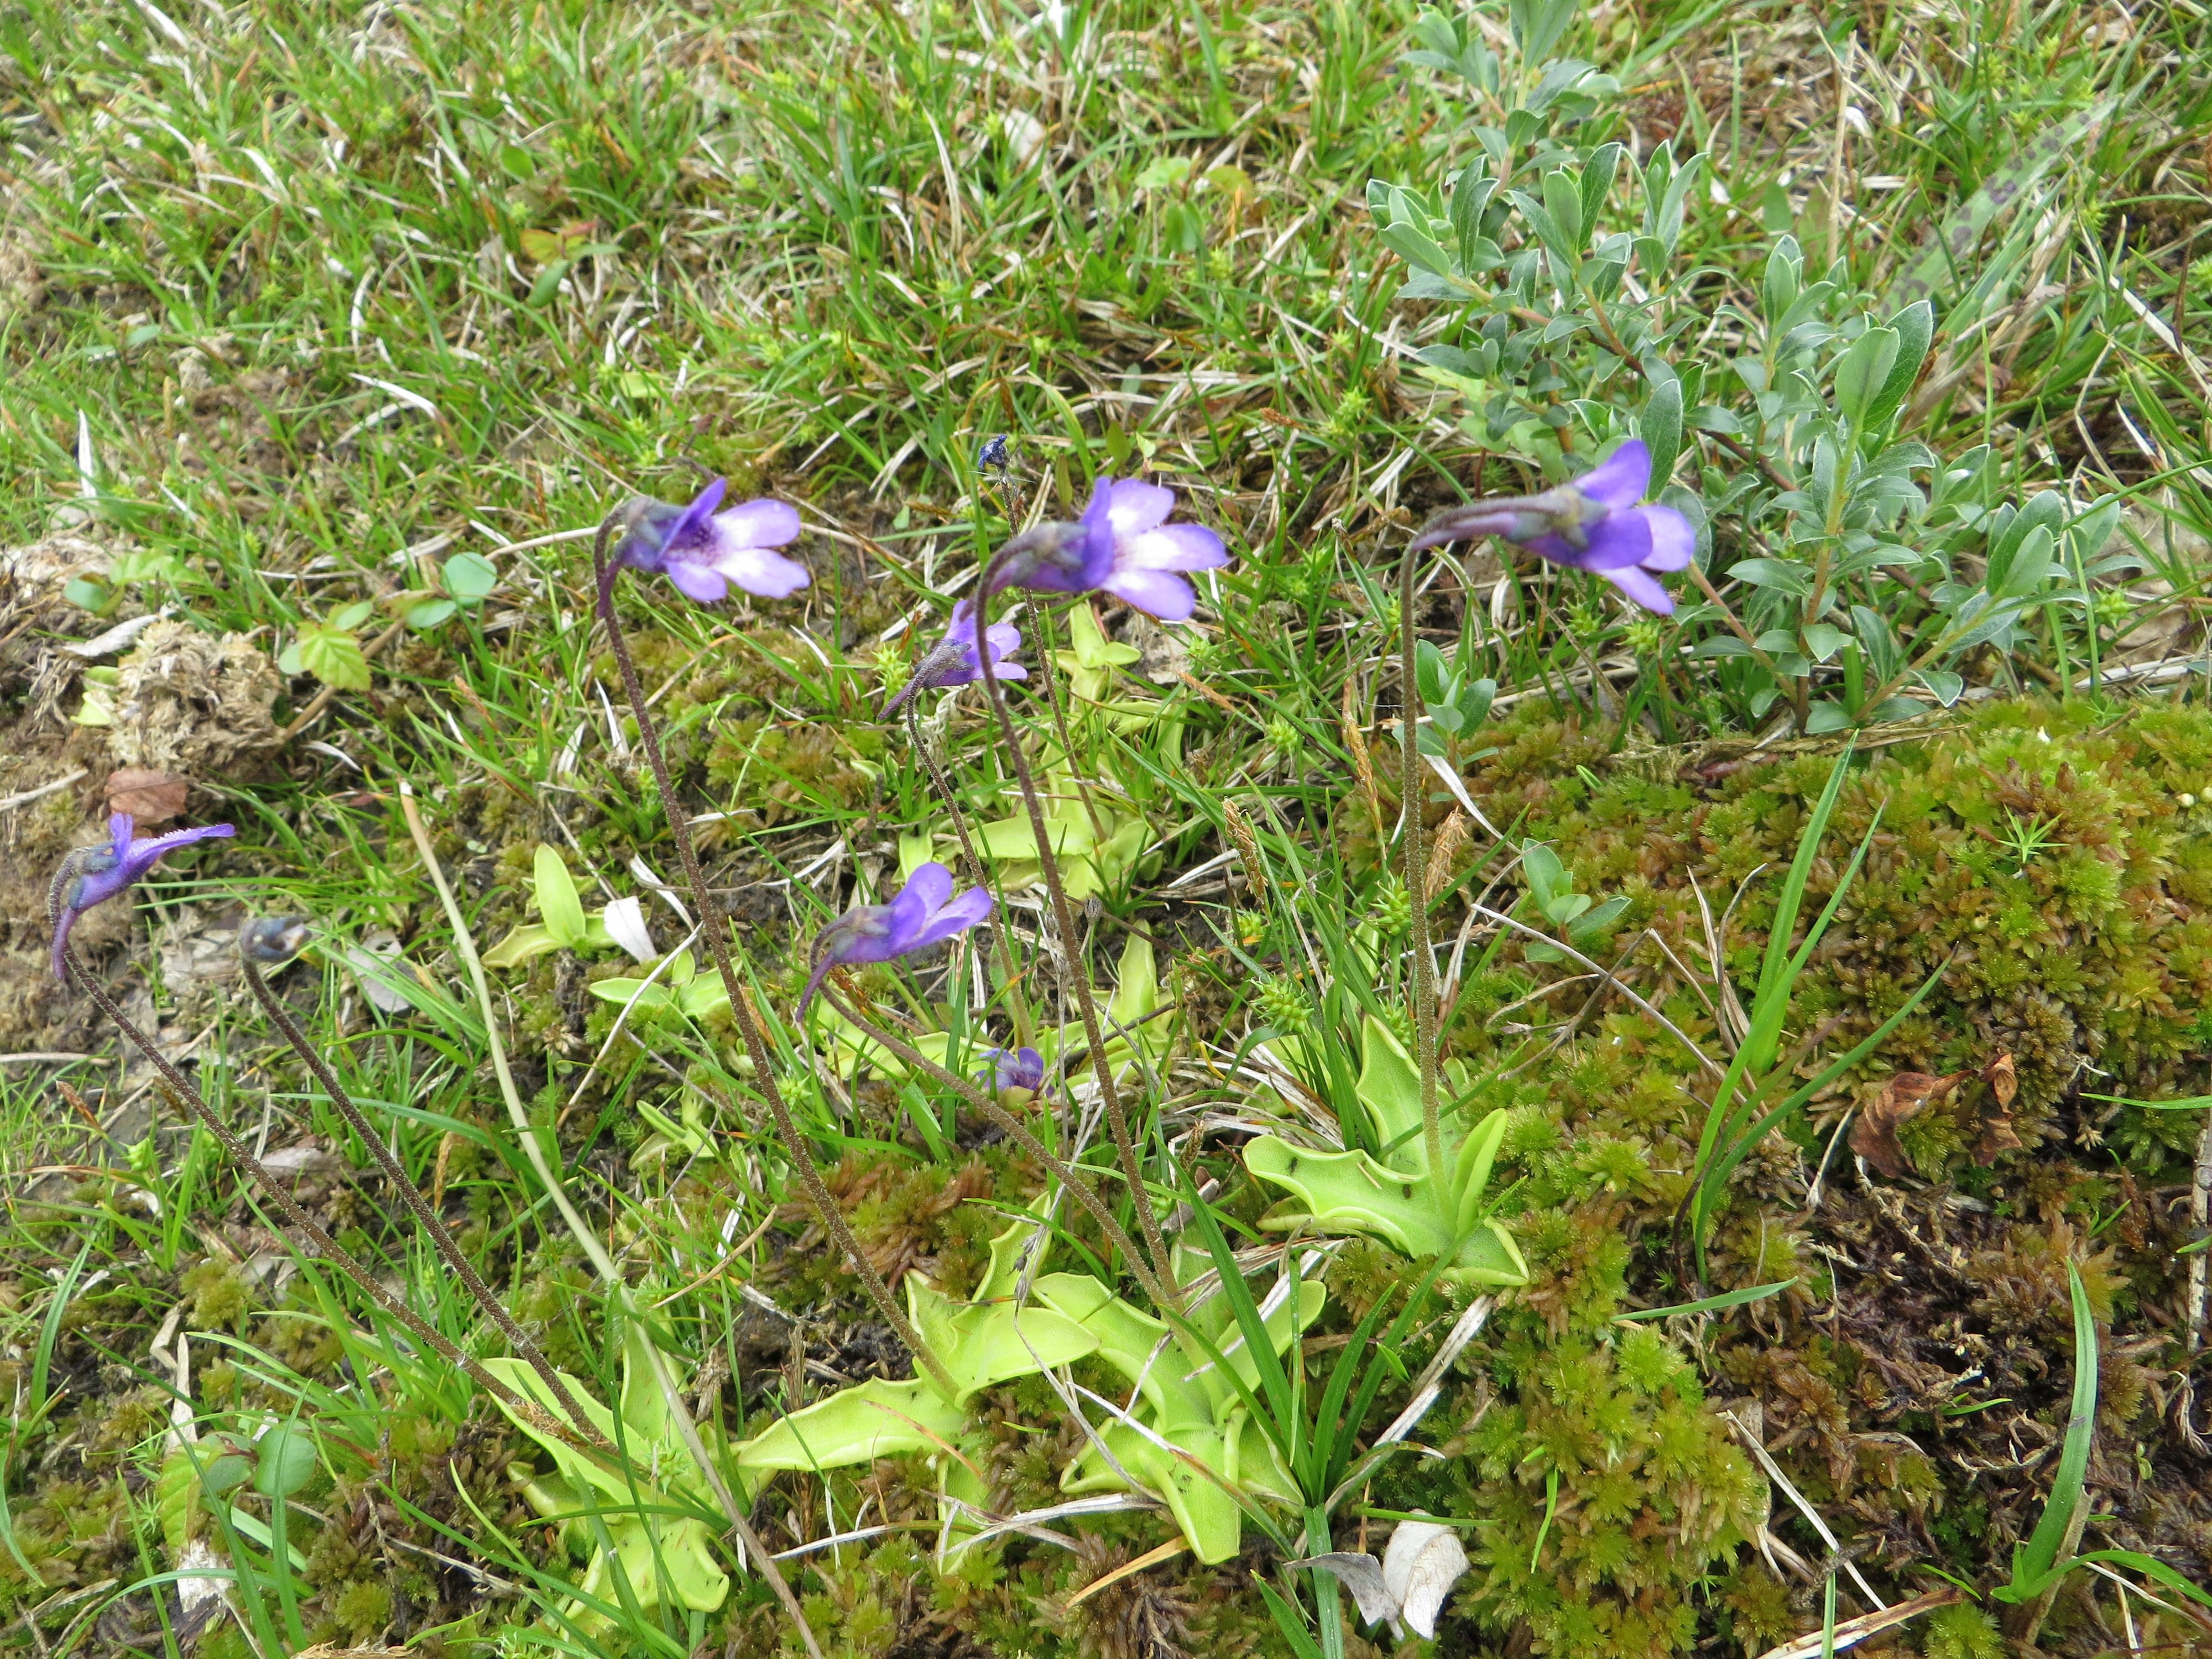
x=626 y=925
x=115 y=639
x=373 y=967
x=1423 y=1562
x=202 y=1575
x=1025 y=136
x=1362 y=1576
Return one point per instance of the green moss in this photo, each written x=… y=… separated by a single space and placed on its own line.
x=362 y=1611
x=220 y=1298
x=1961 y=1631
x=2084 y=949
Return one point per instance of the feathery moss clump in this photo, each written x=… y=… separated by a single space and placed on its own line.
x=2051 y=863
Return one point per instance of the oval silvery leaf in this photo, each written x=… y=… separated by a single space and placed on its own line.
x=624 y=918
x=1423 y=1562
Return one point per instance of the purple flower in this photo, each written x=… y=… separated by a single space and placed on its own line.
x=953 y=659
x=1594 y=522
x=706 y=553
x=1016 y=1068
x=925 y=912
x=93 y=875
x=1122 y=544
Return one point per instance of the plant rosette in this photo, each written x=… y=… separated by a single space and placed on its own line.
x=1397 y=1198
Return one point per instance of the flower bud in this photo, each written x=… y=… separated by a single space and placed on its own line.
x=272 y=941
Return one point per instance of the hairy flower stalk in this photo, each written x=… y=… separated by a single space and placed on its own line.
x=1123 y=546
x=273 y=941
x=1017 y=1004
x=180 y=1088
x=1064 y=1172
x=1078 y=974
x=1415 y=787
x=713 y=924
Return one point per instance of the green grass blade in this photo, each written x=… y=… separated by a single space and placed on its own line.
x=1706 y=1197
x=2034 y=1564
x=1711 y=1303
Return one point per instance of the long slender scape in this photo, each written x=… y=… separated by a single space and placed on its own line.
x=1078 y=973
x=1416 y=895
x=447 y=1247
x=1048 y=637
x=602 y=1263
x=181 y=1088
x=711 y=923
x=1063 y=1171
x=1017 y=1004
x=525 y=1131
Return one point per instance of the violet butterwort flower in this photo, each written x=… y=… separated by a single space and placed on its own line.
x=705 y=552
x=925 y=912
x=1123 y=546
x=1598 y=522
x=1015 y=1068
x=953 y=661
x=94 y=875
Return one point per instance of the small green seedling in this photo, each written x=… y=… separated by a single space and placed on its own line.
x=465 y=581
x=1455 y=705
x=330 y=648
x=562 y=925
x=101 y=594
x=1577 y=915
x=1397 y=1198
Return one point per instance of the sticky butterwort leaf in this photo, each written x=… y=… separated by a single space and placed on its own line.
x=557 y=901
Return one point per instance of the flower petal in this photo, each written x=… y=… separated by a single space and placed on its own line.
x=697 y=581
x=1617 y=540
x=1556 y=549
x=957 y=917
x=1642 y=587
x=1618 y=480
x=626 y=925
x=1420 y=1566
x=689 y=524
x=1133 y=507
x=769 y=575
x=923 y=896
x=1171 y=547
x=1158 y=594
x=1674 y=540
x=143 y=855
x=761 y=523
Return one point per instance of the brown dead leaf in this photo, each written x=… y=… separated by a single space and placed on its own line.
x=148 y=796
x=1452 y=835
x=1873 y=1137
x=2003 y=1081
x=1998 y=1136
